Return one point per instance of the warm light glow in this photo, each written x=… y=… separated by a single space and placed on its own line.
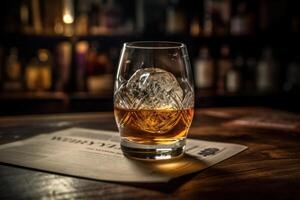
x=68 y=11
x=82 y=47
x=68 y=19
x=43 y=55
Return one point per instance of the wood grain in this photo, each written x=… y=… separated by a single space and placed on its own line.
x=269 y=169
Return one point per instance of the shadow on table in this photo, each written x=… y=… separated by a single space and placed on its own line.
x=216 y=183
x=179 y=171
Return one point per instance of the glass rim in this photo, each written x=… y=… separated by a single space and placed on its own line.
x=154 y=45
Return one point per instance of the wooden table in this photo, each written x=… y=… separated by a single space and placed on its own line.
x=269 y=169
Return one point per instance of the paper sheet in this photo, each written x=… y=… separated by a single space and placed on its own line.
x=96 y=154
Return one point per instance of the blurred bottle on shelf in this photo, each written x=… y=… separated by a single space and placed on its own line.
x=81 y=52
x=242 y=22
x=27 y=20
x=139 y=16
x=292 y=79
x=112 y=13
x=46 y=64
x=264 y=15
x=295 y=24
x=68 y=17
x=36 y=16
x=92 y=60
x=216 y=17
x=106 y=18
x=154 y=16
x=13 y=72
x=176 y=21
x=224 y=64
x=234 y=76
x=52 y=19
x=277 y=16
x=24 y=16
x=195 y=28
x=294 y=17
x=249 y=74
x=98 y=75
x=95 y=17
x=63 y=65
x=82 y=21
x=267 y=72
x=54 y=16
x=1 y=65
x=38 y=73
x=204 y=70
x=47 y=17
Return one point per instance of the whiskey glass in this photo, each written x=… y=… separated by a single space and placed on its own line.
x=153 y=99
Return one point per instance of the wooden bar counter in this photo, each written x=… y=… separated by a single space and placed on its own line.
x=268 y=169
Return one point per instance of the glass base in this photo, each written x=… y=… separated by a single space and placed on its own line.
x=152 y=152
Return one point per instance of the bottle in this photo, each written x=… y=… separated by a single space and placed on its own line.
x=204 y=70
x=233 y=76
x=249 y=74
x=1 y=65
x=81 y=25
x=195 y=28
x=38 y=73
x=292 y=80
x=176 y=20
x=224 y=64
x=63 y=65
x=13 y=72
x=68 y=17
x=208 y=26
x=81 y=52
x=45 y=64
x=266 y=72
x=24 y=16
x=36 y=16
x=139 y=16
x=97 y=69
x=52 y=17
x=154 y=17
x=216 y=17
x=242 y=23
x=112 y=13
x=95 y=18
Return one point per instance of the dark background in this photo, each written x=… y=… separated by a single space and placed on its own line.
x=264 y=24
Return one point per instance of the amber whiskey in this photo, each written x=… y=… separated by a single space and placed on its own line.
x=153 y=126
